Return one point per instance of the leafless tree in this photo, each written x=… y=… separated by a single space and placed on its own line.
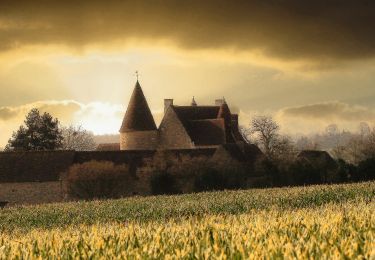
x=265 y=132
x=358 y=147
x=364 y=129
x=77 y=138
x=369 y=145
x=306 y=143
x=246 y=133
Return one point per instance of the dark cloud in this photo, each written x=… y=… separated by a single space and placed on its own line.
x=330 y=111
x=320 y=30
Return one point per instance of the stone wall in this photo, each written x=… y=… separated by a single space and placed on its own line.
x=139 y=140
x=34 y=177
x=37 y=166
x=172 y=133
x=31 y=192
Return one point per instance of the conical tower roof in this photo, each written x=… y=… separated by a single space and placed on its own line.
x=138 y=116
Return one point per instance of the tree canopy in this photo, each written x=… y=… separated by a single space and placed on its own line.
x=39 y=132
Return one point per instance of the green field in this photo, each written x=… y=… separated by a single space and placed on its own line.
x=335 y=221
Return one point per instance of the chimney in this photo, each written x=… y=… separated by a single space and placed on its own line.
x=167 y=103
x=219 y=102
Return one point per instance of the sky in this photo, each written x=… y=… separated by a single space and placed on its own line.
x=307 y=63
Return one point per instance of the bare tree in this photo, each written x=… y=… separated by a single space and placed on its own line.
x=368 y=150
x=355 y=147
x=77 y=138
x=306 y=143
x=245 y=133
x=265 y=131
x=364 y=129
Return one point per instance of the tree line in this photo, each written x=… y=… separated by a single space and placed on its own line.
x=353 y=154
x=41 y=131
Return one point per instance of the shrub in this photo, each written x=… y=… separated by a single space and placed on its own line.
x=266 y=167
x=345 y=171
x=209 y=176
x=163 y=182
x=366 y=169
x=305 y=173
x=208 y=179
x=97 y=179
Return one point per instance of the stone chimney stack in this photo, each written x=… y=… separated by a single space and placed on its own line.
x=167 y=103
x=219 y=102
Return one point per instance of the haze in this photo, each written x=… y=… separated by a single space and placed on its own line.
x=307 y=63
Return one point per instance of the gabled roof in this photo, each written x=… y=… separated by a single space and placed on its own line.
x=318 y=157
x=187 y=113
x=207 y=131
x=224 y=112
x=138 y=115
x=209 y=125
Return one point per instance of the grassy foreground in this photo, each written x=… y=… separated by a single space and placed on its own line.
x=335 y=221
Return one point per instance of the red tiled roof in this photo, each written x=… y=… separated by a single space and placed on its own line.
x=206 y=124
x=138 y=116
x=224 y=112
x=187 y=113
x=207 y=131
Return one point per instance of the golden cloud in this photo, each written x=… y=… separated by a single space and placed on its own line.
x=292 y=30
x=330 y=111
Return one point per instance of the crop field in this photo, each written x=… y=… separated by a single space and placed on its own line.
x=326 y=221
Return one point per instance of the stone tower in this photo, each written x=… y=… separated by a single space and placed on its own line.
x=138 y=130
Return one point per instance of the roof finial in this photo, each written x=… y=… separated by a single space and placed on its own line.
x=224 y=102
x=137 y=74
x=193 y=103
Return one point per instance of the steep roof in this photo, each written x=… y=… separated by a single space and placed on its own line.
x=224 y=112
x=187 y=113
x=318 y=157
x=138 y=115
x=209 y=125
x=207 y=131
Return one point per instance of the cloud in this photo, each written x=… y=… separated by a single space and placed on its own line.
x=64 y=110
x=6 y=113
x=320 y=31
x=315 y=118
x=100 y=118
x=330 y=111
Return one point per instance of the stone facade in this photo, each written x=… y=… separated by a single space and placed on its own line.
x=139 y=140
x=172 y=134
x=31 y=192
x=182 y=127
x=36 y=177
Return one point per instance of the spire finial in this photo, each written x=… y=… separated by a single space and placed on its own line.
x=137 y=74
x=193 y=103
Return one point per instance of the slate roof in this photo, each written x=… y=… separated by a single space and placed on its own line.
x=138 y=115
x=187 y=113
x=207 y=131
x=320 y=157
x=209 y=125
